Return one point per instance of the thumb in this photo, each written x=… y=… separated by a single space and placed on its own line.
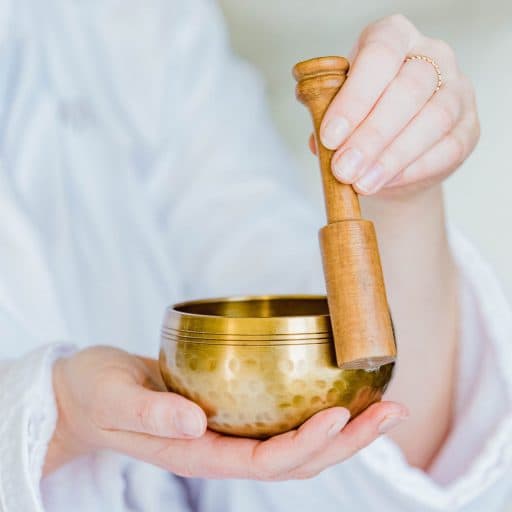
x=137 y=409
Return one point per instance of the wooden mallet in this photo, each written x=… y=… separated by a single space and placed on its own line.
x=358 y=306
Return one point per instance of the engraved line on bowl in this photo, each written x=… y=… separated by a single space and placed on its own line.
x=299 y=333
x=246 y=344
x=209 y=335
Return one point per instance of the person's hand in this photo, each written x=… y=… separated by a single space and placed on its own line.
x=109 y=399
x=390 y=129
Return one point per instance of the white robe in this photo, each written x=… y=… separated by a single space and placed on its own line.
x=138 y=167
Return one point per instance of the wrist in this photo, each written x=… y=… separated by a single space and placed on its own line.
x=64 y=445
x=404 y=195
x=403 y=203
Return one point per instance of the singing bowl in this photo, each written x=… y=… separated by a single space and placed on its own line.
x=260 y=366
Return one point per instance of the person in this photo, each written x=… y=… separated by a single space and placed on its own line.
x=139 y=167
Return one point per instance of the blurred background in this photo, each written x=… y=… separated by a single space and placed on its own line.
x=274 y=34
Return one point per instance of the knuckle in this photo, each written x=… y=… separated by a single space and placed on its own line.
x=399 y=20
x=360 y=443
x=374 y=134
x=266 y=473
x=419 y=168
x=264 y=469
x=456 y=148
x=375 y=28
x=367 y=31
x=404 y=28
x=446 y=115
x=395 y=31
x=166 y=458
x=260 y=467
x=383 y=49
x=355 y=107
x=391 y=162
x=415 y=84
x=144 y=414
x=445 y=49
x=415 y=172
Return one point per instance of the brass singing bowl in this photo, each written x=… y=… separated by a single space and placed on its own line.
x=260 y=366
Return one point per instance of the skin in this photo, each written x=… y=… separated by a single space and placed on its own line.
x=409 y=140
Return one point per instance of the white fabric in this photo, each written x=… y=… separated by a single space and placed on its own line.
x=28 y=420
x=138 y=167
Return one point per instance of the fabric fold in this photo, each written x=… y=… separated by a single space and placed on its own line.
x=29 y=416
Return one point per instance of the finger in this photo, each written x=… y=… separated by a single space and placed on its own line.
x=217 y=456
x=405 y=96
x=273 y=458
x=128 y=406
x=381 y=52
x=443 y=158
x=279 y=455
x=359 y=433
x=439 y=116
x=202 y=457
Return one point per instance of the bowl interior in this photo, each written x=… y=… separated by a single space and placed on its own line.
x=257 y=307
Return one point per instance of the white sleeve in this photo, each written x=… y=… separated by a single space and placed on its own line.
x=482 y=419
x=28 y=421
x=473 y=467
x=223 y=185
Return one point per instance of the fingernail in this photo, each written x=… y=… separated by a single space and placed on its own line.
x=390 y=422
x=370 y=179
x=334 y=132
x=347 y=165
x=338 y=426
x=189 y=423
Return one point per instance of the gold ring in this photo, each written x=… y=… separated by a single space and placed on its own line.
x=434 y=64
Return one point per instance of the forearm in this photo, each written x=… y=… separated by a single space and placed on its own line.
x=417 y=260
x=421 y=282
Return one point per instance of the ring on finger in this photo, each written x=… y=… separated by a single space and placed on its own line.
x=433 y=63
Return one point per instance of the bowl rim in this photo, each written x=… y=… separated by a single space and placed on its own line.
x=226 y=329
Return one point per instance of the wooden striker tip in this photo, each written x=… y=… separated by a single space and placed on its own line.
x=320 y=65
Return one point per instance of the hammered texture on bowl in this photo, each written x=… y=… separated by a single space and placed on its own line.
x=258 y=388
